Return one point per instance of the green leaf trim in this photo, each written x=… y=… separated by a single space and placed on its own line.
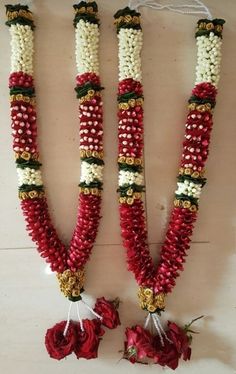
x=127 y=96
x=95 y=184
x=24 y=91
x=216 y=21
x=90 y=18
x=133 y=168
x=85 y=4
x=30 y=187
x=124 y=25
x=23 y=164
x=195 y=99
x=124 y=189
x=207 y=32
x=21 y=21
x=182 y=178
x=193 y=200
x=93 y=160
x=125 y=12
x=83 y=90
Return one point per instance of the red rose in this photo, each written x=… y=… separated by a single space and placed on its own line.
x=139 y=344
x=58 y=345
x=166 y=355
x=88 y=340
x=180 y=339
x=108 y=311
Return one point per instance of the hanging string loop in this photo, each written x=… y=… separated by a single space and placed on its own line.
x=198 y=8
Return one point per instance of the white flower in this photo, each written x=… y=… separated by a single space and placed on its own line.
x=29 y=176
x=22 y=48
x=209 y=59
x=87 y=44
x=189 y=188
x=130 y=177
x=130 y=46
x=91 y=172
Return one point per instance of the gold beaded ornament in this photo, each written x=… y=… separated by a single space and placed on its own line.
x=71 y=283
x=150 y=301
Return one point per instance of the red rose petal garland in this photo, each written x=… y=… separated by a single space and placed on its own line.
x=65 y=337
x=167 y=346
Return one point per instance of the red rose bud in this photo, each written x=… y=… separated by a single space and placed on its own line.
x=180 y=339
x=166 y=355
x=58 y=345
x=108 y=311
x=139 y=344
x=88 y=340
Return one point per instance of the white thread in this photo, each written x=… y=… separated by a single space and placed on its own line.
x=68 y=319
x=79 y=317
x=200 y=8
x=158 y=330
x=148 y=318
x=91 y=310
x=155 y=316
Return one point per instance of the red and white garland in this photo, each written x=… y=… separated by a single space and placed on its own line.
x=166 y=347
x=64 y=338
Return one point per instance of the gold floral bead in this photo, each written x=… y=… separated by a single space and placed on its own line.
x=177 y=203
x=186 y=204
x=122 y=200
x=138 y=161
x=25 y=155
x=151 y=308
x=91 y=92
x=132 y=103
x=136 y=20
x=128 y=18
x=130 y=201
x=148 y=292
x=193 y=208
x=33 y=194
x=129 y=160
x=209 y=26
x=188 y=171
x=195 y=174
x=82 y=153
x=218 y=28
x=130 y=192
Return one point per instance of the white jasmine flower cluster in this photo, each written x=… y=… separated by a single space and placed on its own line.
x=87 y=43
x=189 y=188
x=209 y=59
x=129 y=177
x=130 y=46
x=29 y=176
x=91 y=172
x=22 y=48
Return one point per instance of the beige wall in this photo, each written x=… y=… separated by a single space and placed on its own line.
x=30 y=300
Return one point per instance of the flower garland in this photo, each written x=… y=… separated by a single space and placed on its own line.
x=166 y=347
x=83 y=337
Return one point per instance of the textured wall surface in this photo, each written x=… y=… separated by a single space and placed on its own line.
x=30 y=300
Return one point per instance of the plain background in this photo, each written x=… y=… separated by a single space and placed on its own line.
x=30 y=299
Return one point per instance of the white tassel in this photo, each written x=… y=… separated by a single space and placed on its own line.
x=91 y=310
x=155 y=319
x=147 y=321
x=79 y=317
x=199 y=8
x=68 y=319
x=158 y=330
